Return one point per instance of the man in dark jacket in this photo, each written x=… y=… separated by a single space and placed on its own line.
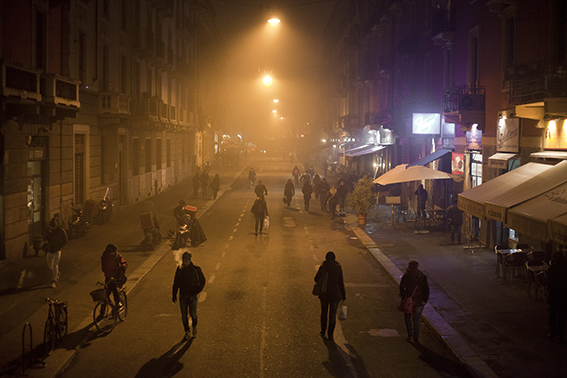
x=307 y=190
x=414 y=284
x=196 y=184
x=335 y=292
x=324 y=193
x=189 y=281
x=261 y=189
x=260 y=211
x=557 y=287
x=56 y=239
x=342 y=191
x=204 y=183
x=421 y=194
x=455 y=216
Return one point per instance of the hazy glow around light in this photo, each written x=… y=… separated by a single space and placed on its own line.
x=267 y=81
x=274 y=111
x=323 y=140
x=274 y=22
x=276 y=100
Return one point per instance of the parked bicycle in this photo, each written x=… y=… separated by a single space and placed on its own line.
x=106 y=313
x=56 y=324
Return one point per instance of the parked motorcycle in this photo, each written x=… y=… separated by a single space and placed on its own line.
x=81 y=220
x=150 y=226
x=182 y=234
x=105 y=209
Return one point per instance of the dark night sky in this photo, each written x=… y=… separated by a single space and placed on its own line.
x=290 y=52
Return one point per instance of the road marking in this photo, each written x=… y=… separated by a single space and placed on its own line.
x=21 y=281
x=217 y=267
x=237 y=224
x=223 y=254
x=212 y=278
x=226 y=246
x=239 y=219
x=230 y=237
x=234 y=231
x=312 y=247
x=202 y=296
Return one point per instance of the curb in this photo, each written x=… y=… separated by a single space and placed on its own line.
x=451 y=337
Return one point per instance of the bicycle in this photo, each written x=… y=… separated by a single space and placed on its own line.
x=106 y=313
x=56 y=324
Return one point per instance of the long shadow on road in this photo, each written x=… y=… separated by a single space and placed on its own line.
x=167 y=365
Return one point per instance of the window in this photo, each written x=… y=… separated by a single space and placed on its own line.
x=149 y=81
x=148 y=155
x=158 y=154
x=124 y=15
x=474 y=78
x=40 y=41
x=124 y=74
x=82 y=56
x=168 y=153
x=476 y=169
x=135 y=163
x=105 y=68
x=508 y=46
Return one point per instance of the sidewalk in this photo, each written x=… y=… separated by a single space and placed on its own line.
x=491 y=325
x=25 y=283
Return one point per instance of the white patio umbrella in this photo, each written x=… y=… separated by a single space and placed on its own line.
x=415 y=173
x=391 y=173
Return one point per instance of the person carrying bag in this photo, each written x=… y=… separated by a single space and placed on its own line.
x=332 y=290
x=414 y=290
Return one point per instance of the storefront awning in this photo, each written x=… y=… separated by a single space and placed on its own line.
x=366 y=151
x=431 y=157
x=356 y=149
x=531 y=217
x=558 y=229
x=500 y=160
x=497 y=207
x=562 y=155
x=472 y=201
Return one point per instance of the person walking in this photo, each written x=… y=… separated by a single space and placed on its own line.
x=557 y=300
x=414 y=284
x=189 y=281
x=204 y=182
x=342 y=191
x=56 y=239
x=251 y=177
x=333 y=201
x=334 y=293
x=295 y=174
x=455 y=216
x=307 y=191
x=260 y=211
x=196 y=184
x=317 y=185
x=289 y=192
x=421 y=194
x=114 y=268
x=324 y=194
x=261 y=189
x=215 y=185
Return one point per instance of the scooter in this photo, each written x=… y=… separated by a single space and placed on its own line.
x=80 y=222
x=150 y=227
x=181 y=236
x=105 y=208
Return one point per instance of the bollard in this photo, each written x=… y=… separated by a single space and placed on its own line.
x=24 y=347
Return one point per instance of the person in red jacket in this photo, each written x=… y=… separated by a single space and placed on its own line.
x=113 y=266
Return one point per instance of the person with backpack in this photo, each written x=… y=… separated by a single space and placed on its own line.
x=414 y=285
x=189 y=281
x=56 y=239
x=333 y=293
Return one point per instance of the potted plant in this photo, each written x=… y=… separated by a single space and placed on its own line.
x=361 y=198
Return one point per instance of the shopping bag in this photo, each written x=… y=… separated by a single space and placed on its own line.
x=343 y=314
x=266 y=223
x=406 y=305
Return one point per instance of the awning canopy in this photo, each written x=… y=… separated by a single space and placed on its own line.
x=431 y=157
x=531 y=217
x=497 y=207
x=366 y=151
x=472 y=201
x=550 y=155
x=356 y=149
x=500 y=159
x=383 y=180
x=416 y=173
x=558 y=229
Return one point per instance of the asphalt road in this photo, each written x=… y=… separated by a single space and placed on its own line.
x=257 y=316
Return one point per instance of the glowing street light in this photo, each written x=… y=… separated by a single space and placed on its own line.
x=275 y=100
x=274 y=22
x=267 y=81
x=274 y=111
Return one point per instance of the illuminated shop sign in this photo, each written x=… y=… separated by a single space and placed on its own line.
x=458 y=163
x=508 y=135
x=426 y=123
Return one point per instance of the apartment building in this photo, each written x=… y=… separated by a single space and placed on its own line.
x=100 y=94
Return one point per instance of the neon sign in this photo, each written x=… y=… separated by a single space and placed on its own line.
x=426 y=123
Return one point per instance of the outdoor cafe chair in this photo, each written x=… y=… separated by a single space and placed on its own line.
x=533 y=268
x=500 y=259
x=516 y=262
x=523 y=246
x=538 y=255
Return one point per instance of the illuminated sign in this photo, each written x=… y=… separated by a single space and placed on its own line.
x=458 y=163
x=426 y=123
x=508 y=135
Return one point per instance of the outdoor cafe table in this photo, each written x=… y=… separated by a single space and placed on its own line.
x=501 y=255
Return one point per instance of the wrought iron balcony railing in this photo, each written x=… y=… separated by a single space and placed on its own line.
x=464 y=98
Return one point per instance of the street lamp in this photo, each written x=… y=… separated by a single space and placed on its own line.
x=267 y=81
x=274 y=21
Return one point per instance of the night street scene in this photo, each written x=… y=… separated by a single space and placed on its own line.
x=283 y=188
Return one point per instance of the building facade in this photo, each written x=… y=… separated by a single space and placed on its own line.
x=101 y=94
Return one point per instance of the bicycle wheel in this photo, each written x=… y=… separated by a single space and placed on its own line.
x=104 y=321
x=123 y=311
x=49 y=336
x=62 y=322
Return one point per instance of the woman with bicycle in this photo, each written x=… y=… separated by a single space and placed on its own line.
x=113 y=266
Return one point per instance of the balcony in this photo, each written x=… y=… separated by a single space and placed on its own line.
x=60 y=91
x=164 y=113
x=20 y=83
x=464 y=98
x=172 y=115
x=371 y=118
x=528 y=86
x=112 y=103
x=144 y=42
